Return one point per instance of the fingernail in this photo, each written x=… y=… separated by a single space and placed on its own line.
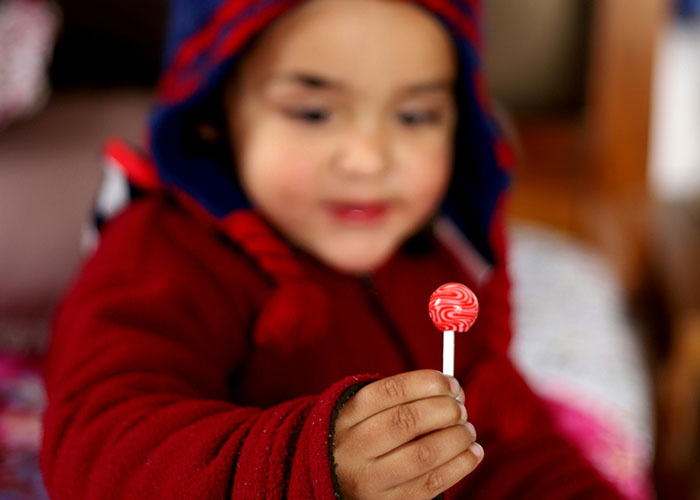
x=462 y=411
x=454 y=386
x=471 y=430
x=460 y=396
x=476 y=450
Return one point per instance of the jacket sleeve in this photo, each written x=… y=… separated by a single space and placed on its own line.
x=136 y=377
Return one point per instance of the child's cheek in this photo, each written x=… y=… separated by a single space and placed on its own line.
x=430 y=160
x=283 y=170
x=427 y=178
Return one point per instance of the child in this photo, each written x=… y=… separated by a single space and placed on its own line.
x=316 y=169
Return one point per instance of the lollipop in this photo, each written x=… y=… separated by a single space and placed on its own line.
x=452 y=307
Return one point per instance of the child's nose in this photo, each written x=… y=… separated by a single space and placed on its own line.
x=364 y=152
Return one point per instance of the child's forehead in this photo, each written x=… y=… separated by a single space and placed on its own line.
x=363 y=22
x=334 y=44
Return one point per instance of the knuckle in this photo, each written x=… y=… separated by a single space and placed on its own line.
x=394 y=387
x=424 y=455
x=433 y=482
x=405 y=418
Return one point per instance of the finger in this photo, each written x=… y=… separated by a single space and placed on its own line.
x=400 y=424
x=414 y=459
x=399 y=389
x=436 y=481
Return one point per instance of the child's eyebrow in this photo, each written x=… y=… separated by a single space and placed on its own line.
x=306 y=80
x=322 y=83
x=436 y=86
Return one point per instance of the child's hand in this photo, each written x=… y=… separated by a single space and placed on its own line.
x=404 y=437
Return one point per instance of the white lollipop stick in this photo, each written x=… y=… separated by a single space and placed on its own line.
x=448 y=353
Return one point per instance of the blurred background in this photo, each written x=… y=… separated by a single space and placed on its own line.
x=601 y=101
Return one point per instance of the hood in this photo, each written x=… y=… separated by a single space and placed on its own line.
x=205 y=40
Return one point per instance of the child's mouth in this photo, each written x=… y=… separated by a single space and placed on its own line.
x=358 y=213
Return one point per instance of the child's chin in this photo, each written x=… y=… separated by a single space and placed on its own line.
x=356 y=263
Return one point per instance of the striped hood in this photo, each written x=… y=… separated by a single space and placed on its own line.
x=206 y=39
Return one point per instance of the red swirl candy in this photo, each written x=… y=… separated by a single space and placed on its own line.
x=453 y=306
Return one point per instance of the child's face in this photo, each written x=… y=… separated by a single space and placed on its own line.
x=342 y=119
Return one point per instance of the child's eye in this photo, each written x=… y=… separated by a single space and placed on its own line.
x=419 y=118
x=309 y=115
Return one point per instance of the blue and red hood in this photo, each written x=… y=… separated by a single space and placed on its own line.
x=205 y=41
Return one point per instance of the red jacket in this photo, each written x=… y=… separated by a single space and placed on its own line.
x=188 y=364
